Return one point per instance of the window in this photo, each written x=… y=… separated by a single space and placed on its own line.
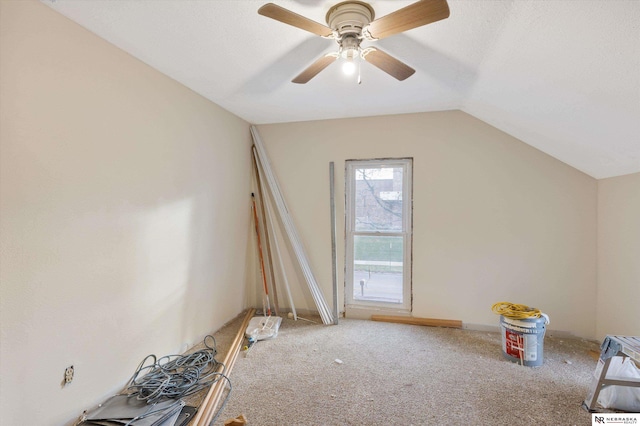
x=378 y=222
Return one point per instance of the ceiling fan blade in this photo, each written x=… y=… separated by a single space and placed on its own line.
x=415 y=15
x=315 y=68
x=387 y=63
x=281 y=14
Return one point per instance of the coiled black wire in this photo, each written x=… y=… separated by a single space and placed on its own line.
x=176 y=376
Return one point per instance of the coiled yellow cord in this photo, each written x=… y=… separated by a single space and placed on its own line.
x=515 y=311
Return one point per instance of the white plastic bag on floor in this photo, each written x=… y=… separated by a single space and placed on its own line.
x=623 y=398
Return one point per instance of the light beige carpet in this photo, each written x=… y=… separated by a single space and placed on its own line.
x=374 y=373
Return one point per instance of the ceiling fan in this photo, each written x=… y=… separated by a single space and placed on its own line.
x=351 y=22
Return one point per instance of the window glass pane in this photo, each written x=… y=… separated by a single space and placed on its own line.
x=378 y=199
x=377 y=269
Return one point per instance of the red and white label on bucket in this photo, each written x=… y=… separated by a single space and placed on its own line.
x=515 y=344
x=521 y=346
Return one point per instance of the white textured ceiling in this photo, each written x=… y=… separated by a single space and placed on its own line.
x=562 y=76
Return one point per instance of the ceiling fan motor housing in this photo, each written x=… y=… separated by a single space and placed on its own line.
x=350 y=17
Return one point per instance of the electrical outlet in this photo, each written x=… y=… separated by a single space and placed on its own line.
x=68 y=375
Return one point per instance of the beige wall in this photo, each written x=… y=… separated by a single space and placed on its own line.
x=619 y=256
x=124 y=215
x=494 y=219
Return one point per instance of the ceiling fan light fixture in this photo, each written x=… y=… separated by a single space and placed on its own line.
x=349 y=67
x=350 y=55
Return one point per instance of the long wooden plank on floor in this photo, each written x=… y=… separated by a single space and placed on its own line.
x=418 y=321
x=208 y=406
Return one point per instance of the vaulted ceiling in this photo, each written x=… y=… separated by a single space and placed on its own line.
x=560 y=75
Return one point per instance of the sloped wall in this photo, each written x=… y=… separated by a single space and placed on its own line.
x=494 y=219
x=124 y=215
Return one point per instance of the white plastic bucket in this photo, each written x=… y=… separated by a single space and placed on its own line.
x=523 y=339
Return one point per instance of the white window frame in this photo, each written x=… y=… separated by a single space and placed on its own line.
x=364 y=307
